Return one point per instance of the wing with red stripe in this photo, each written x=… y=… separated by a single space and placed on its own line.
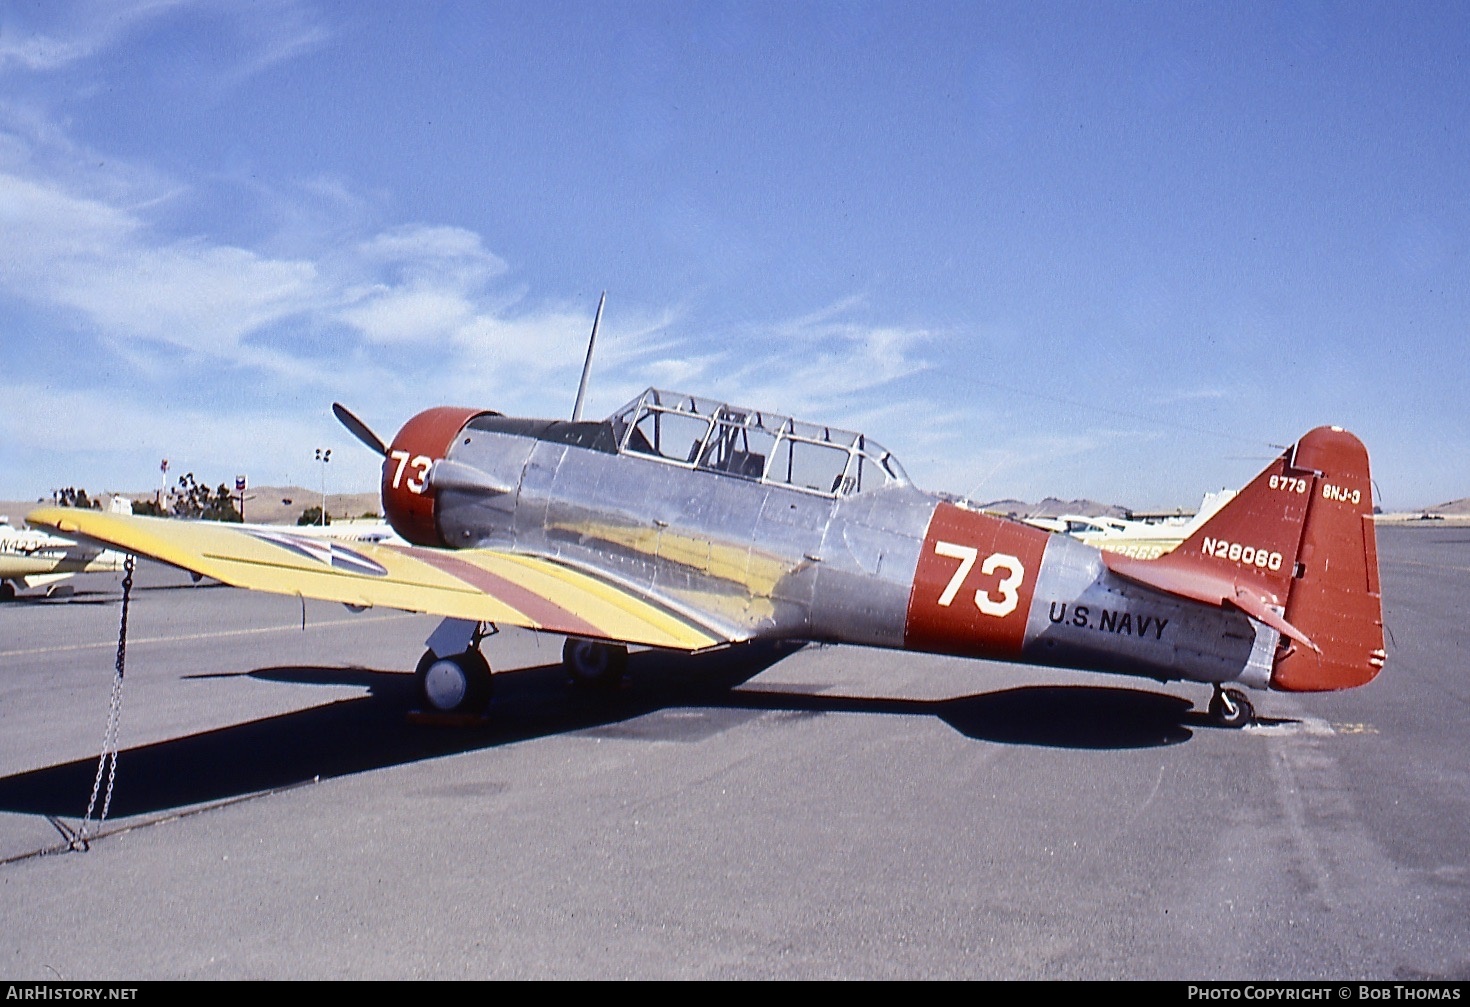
x=479 y=584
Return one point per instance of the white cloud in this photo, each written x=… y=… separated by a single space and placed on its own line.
x=41 y=52
x=62 y=250
x=819 y=366
x=264 y=33
x=274 y=33
x=396 y=315
x=1190 y=395
x=91 y=28
x=432 y=287
x=43 y=221
x=454 y=248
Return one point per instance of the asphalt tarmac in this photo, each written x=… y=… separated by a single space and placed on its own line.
x=763 y=813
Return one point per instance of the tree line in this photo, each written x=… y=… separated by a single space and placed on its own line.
x=189 y=499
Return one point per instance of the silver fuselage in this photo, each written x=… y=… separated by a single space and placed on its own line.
x=754 y=559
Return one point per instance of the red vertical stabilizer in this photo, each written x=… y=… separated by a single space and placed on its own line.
x=1295 y=549
x=1335 y=598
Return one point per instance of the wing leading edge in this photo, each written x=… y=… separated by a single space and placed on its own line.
x=479 y=584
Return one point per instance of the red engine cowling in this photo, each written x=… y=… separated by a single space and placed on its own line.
x=408 y=502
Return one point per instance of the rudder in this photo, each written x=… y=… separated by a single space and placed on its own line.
x=1335 y=598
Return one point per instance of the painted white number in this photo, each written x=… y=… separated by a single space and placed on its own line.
x=966 y=555
x=1008 y=587
x=418 y=483
x=1006 y=604
x=1291 y=484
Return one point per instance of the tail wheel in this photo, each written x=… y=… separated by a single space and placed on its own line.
x=456 y=684
x=1230 y=708
x=593 y=664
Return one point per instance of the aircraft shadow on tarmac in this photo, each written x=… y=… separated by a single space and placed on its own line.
x=67 y=594
x=668 y=698
x=40 y=598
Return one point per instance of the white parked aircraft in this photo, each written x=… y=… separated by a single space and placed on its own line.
x=1138 y=539
x=31 y=558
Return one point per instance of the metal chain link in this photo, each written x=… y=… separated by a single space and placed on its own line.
x=107 y=761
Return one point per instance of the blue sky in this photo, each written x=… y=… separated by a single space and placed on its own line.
x=1105 y=250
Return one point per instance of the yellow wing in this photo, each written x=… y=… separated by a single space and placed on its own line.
x=482 y=584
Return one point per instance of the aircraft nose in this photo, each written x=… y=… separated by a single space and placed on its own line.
x=408 y=496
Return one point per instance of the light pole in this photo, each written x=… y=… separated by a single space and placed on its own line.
x=324 y=456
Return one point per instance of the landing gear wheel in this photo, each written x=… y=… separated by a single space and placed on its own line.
x=7 y=591
x=1230 y=708
x=594 y=665
x=459 y=683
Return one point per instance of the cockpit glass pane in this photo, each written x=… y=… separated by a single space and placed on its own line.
x=808 y=465
x=738 y=449
x=894 y=469
x=671 y=435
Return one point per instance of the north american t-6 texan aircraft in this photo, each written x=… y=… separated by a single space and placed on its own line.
x=688 y=524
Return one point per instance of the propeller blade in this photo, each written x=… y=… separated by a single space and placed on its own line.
x=359 y=429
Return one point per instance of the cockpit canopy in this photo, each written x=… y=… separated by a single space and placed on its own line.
x=749 y=444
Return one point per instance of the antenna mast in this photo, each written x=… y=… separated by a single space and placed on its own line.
x=587 y=364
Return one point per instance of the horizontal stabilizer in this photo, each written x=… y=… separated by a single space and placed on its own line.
x=1206 y=588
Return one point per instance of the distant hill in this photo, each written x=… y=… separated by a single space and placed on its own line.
x=1052 y=507
x=284 y=504
x=1461 y=506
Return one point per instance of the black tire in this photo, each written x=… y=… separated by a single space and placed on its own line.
x=7 y=591
x=592 y=664
x=1230 y=708
x=456 y=684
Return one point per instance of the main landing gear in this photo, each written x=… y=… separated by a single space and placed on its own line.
x=454 y=682
x=1230 y=708
x=453 y=677
x=458 y=684
x=591 y=664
